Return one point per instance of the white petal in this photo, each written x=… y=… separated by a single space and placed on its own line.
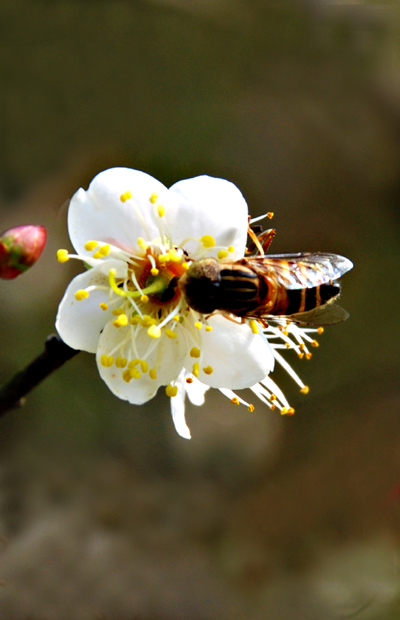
x=79 y=323
x=178 y=407
x=167 y=359
x=99 y=214
x=208 y=206
x=238 y=357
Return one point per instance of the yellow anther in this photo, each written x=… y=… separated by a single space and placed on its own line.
x=305 y=389
x=118 y=312
x=170 y=333
x=81 y=294
x=125 y=196
x=222 y=254
x=196 y=369
x=142 y=243
x=320 y=330
x=144 y=299
x=163 y=258
x=301 y=355
x=208 y=370
x=235 y=400
x=270 y=215
x=189 y=380
x=120 y=362
x=175 y=256
x=144 y=365
x=147 y=321
x=273 y=407
x=194 y=352
x=231 y=249
x=152 y=373
x=253 y=326
x=161 y=210
x=62 y=256
x=90 y=245
x=126 y=375
x=104 y=250
x=272 y=397
x=135 y=319
x=106 y=360
x=251 y=408
x=208 y=241
x=315 y=343
x=171 y=390
x=177 y=318
x=287 y=345
x=185 y=265
x=302 y=346
x=154 y=271
x=308 y=356
x=103 y=306
x=154 y=331
x=209 y=328
x=284 y=411
x=153 y=198
x=121 y=321
x=135 y=373
x=97 y=255
x=134 y=363
x=290 y=411
x=198 y=325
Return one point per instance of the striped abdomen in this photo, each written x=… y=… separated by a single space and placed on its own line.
x=240 y=289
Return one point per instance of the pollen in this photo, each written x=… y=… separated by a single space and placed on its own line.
x=235 y=400
x=171 y=390
x=189 y=380
x=170 y=333
x=135 y=373
x=142 y=243
x=62 y=256
x=106 y=360
x=231 y=249
x=308 y=356
x=320 y=330
x=254 y=326
x=154 y=271
x=117 y=311
x=251 y=408
x=125 y=196
x=103 y=306
x=154 y=331
x=126 y=375
x=153 y=198
x=104 y=250
x=152 y=373
x=270 y=215
x=222 y=254
x=208 y=241
x=134 y=363
x=177 y=318
x=144 y=299
x=134 y=320
x=194 y=352
x=196 y=369
x=121 y=321
x=91 y=245
x=148 y=321
x=120 y=362
x=161 y=210
x=272 y=397
x=305 y=389
x=81 y=294
x=315 y=343
x=198 y=325
x=208 y=370
x=144 y=365
x=209 y=328
x=185 y=265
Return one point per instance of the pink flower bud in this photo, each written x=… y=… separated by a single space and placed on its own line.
x=20 y=247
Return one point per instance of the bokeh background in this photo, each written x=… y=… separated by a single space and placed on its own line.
x=105 y=513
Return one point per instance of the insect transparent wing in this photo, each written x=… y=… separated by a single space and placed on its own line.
x=328 y=314
x=303 y=270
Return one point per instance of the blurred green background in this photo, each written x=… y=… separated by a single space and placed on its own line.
x=105 y=513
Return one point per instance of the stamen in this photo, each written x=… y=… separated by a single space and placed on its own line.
x=142 y=243
x=305 y=389
x=153 y=198
x=121 y=321
x=208 y=241
x=198 y=325
x=161 y=210
x=189 y=380
x=222 y=254
x=195 y=352
x=254 y=326
x=208 y=370
x=91 y=245
x=81 y=294
x=171 y=390
x=62 y=256
x=170 y=333
x=196 y=369
x=152 y=373
x=231 y=249
x=154 y=331
x=103 y=306
x=208 y=328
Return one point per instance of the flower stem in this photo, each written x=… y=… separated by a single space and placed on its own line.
x=56 y=353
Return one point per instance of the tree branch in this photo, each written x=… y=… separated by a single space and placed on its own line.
x=55 y=354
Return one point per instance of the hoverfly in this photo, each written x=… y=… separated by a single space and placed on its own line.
x=296 y=287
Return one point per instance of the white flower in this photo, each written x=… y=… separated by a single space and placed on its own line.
x=138 y=238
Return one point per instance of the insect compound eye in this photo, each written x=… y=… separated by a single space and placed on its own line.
x=200 y=285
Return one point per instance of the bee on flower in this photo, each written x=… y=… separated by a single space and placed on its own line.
x=148 y=249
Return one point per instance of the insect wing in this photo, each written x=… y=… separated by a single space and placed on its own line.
x=328 y=314
x=303 y=270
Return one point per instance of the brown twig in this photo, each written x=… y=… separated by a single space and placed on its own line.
x=55 y=354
